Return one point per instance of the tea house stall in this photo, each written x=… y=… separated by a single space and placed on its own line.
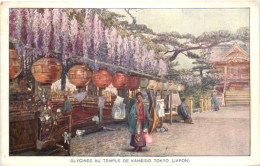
x=54 y=57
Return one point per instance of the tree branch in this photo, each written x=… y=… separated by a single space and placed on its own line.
x=177 y=51
x=133 y=18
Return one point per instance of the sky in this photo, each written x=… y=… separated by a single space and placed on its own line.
x=193 y=21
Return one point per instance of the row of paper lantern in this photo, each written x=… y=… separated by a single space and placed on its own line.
x=48 y=70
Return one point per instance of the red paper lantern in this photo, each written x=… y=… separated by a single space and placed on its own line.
x=15 y=64
x=102 y=78
x=80 y=75
x=120 y=80
x=133 y=82
x=46 y=70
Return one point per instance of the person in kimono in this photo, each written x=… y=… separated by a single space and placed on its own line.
x=67 y=106
x=138 y=123
x=183 y=112
x=214 y=103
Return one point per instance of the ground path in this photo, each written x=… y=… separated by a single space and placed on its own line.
x=224 y=132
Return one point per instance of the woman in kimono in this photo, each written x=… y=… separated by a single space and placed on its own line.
x=214 y=103
x=138 y=123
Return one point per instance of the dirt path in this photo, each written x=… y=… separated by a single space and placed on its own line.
x=225 y=132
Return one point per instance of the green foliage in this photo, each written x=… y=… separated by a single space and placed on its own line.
x=199 y=90
x=187 y=44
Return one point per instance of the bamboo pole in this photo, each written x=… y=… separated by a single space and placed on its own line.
x=170 y=107
x=161 y=117
x=190 y=103
x=201 y=104
x=205 y=103
x=100 y=109
x=209 y=104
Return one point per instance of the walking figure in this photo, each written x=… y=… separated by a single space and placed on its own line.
x=138 y=123
x=214 y=103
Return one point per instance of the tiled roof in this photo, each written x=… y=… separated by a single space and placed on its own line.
x=217 y=52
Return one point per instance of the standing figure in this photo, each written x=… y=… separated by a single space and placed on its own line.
x=67 y=106
x=182 y=111
x=66 y=137
x=138 y=123
x=214 y=103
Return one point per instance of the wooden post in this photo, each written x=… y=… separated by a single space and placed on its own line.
x=201 y=104
x=190 y=105
x=170 y=107
x=223 y=99
x=205 y=103
x=223 y=95
x=100 y=109
x=225 y=70
x=209 y=105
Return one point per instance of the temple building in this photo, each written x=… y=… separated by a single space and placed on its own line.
x=233 y=64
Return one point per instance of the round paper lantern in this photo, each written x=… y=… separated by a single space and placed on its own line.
x=171 y=86
x=80 y=75
x=175 y=87
x=102 y=78
x=133 y=82
x=180 y=88
x=152 y=84
x=165 y=86
x=46 y=70
x=144 y=82
x=15 y=64
x=120 y=80
x=159 y=86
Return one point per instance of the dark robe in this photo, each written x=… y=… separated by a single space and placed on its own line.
x=67 y=106
x=182 y=111
x=214 y=103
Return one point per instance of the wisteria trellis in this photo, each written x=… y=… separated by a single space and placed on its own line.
x=52 y=31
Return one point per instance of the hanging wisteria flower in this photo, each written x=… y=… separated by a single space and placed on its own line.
x=144 y=59
x=80 y=38
x=150 y=60
x=65 y=33
x=52 y=30
x=96 y=34
x=24 y=13
x=87 y=34
x=73 y=34
x=29 y=27
x=132 y=51
x=136 y=55
x=119 y=54
x=108 y=43
x=18 y=23
x=12 y=24
x=56 y=23
x=113 y=39
x=46 y=27
x=126 y=52
x=35 y=28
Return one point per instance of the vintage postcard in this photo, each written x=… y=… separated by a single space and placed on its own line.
x=130 y=83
